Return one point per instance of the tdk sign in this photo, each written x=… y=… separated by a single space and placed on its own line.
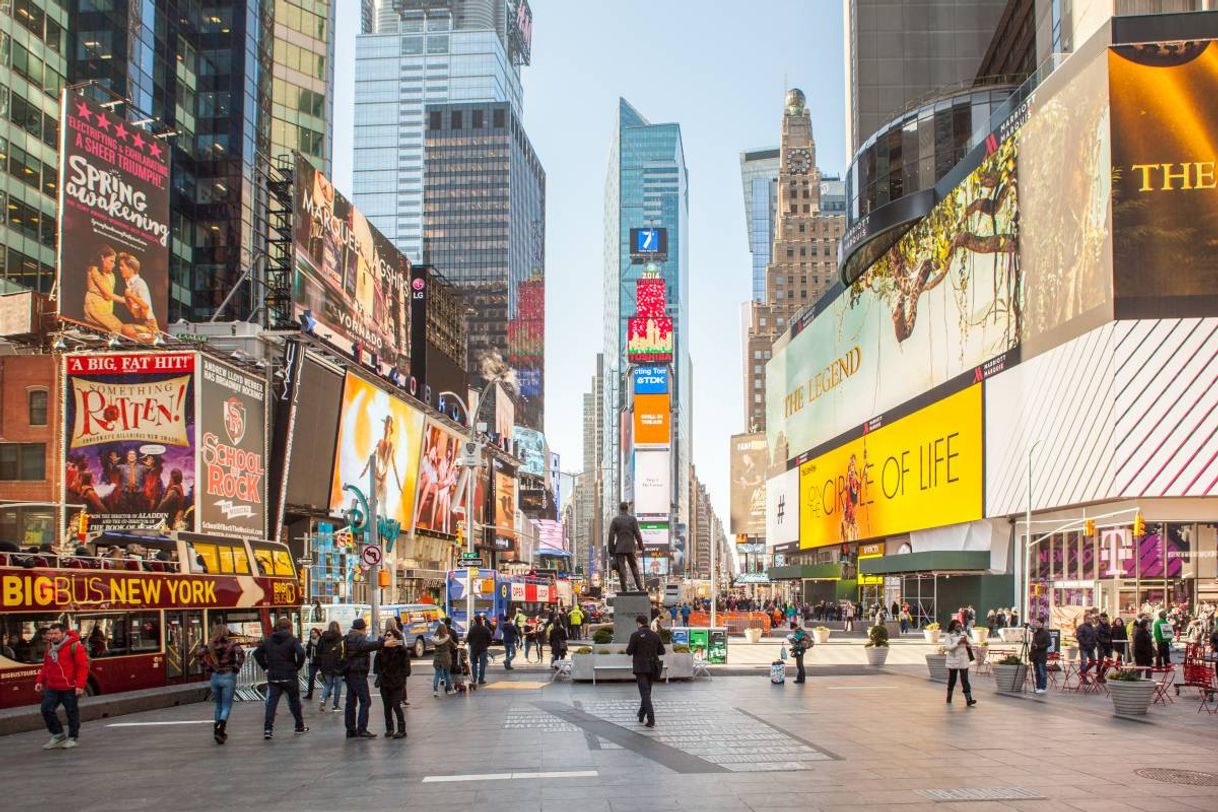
x=651 y=380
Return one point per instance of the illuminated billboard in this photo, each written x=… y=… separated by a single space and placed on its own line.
x=655 y=534
x=650 y=380
x=782 y=508
x=649 y=339
x=652 y=416
x=648 y=245
x=748 y=466
x=531 y=449
x=922 y=470
x=652 y=483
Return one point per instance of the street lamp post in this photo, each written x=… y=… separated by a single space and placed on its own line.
x=1021 y=576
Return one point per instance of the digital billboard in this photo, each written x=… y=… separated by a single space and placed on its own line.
x=113 y=240
x=782 y=508
x=655 y=566
x=652 y=483
x=649 y=339
x=748 y=467
x=130 y=437
x=922 y=470
x=232 y=451
x=379 y=436
x=655 y=534
x=650 y=297
x=650 y=380
x=551 y=538
x=505 y=504
x=652 y=420
x=648 y=244
x=531 y=449
x=443 y=485
x=348 y=275
x=941 y=302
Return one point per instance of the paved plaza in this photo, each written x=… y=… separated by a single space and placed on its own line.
x=844 y=741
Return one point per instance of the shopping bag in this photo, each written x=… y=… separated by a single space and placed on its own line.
x=782 y=653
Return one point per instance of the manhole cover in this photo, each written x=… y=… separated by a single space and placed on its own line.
x=1190 y=777
x=981 y=794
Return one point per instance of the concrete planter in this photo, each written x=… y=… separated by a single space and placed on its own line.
x=820 y=635
x=877 y=655
x=980 y=634
x=1130 y=698
x=752 y=635
x=1009 y=679
x=1011 y=635
x=582 y=665
x=932 y=635
x=936 y=664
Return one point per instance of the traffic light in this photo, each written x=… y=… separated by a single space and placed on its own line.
x=1089 y=528
x=1139 y=525
x=460 y=532
x=382 y=578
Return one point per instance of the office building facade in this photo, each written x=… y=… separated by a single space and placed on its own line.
x=759 y=182
x=302 y=76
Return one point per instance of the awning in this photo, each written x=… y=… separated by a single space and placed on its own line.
x=931 y=561
x=811 y=572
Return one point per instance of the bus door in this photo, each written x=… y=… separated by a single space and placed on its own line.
x=183 y=634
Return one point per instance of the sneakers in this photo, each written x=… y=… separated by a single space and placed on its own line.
x=56 y=742
x=401 y=734
x=267 y=735
x=322 y=709
x=300 y=731
x=436 y=694
x=69 y=744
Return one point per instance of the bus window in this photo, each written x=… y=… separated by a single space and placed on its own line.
x=22 y=636
x=233 y=560
x=97 y=632
x=283 y=563
x=145 y=633
x=203 y=557
x=244 y=624
x=262 y=558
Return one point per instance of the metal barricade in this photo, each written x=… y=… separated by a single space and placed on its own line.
x=251 y=680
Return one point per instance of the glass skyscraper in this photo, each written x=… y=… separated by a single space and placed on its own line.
x=302 y=106
x=647 y=185
x=759 y=178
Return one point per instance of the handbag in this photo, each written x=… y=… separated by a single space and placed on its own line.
x=782 y=653
x=969 y=651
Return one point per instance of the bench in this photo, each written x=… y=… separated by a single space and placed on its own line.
x=630 y=668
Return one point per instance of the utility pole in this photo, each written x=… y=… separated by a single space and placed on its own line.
x=374 y=538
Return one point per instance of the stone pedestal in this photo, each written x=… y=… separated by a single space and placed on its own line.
x=627 y=606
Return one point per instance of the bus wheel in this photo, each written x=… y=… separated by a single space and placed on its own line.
x=420 y=648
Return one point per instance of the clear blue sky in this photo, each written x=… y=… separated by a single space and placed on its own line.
x=718 y=68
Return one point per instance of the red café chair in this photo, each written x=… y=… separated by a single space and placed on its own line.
x=1164 y=677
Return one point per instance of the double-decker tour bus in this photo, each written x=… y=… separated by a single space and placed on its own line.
x=495 y=593
x=142 y=602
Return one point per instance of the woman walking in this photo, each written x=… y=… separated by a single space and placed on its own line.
x=957 y=648
x=442 y=661
x=1119 y=638
x=223 y=657
x=311 y=657
x=392 y=667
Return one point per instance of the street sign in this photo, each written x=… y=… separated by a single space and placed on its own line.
x=475 y=562
x=470 y=456
x=372 y=555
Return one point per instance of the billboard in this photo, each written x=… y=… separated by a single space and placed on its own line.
x=551 y=539
x=649 y=339
x=782 y=508
x=130 y=439
x=748 y=467
x=650 y=380
x=505 y=504
x=648 y=245
x=378 y=435
x=531 y=449
x=941 y=302
x=113 y=240
x=348 y=275
x=652 y=483
x=442 y=484
x=655 y=566
x=652 y=420
x=319 y=396
x=655 y=534
x=923 y=470
x=232 y=451
x=537 y=503
x=650 y=297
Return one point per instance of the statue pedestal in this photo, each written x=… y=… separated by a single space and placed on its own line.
x=627 y=606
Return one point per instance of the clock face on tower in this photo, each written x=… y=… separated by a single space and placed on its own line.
x=799 y=161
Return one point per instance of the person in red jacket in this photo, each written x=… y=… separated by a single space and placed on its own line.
x=65 y=672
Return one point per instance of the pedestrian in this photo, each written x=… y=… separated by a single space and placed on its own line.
x=223 y=657
x=530 y=637
x=575 y=619
x=957 y=647
x=1120 y=637
x=848 y=617
x=645 y=648
x=1163 y=634
x=442 y=660
x=311 y=658
x=1038 y=653
x=558 y=642
x=62 y=680
x=1103 y=637
x=357 y=662
x=540 y=631
x=282 y=657
x=801 y=643
x=672 y=613
x=1143 y=648
x=510 y=636
x=330 y=658
x=392 y=667
x=686 y=610
x=1084 y=635
x=479 y=642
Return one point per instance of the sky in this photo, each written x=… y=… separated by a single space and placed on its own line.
x=720 y=69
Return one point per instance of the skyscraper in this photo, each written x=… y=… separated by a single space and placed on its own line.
x=759 y=178
x=302 y=106
x=647 y=188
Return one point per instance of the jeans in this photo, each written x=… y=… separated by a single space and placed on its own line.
x=1163 y=655
x=223 y=687
x=951 y=682
x=527 y=645
x=392 y=698
x=1105 y=651
x=357 y=694
x=312 y=676
x=575 y=631
x=645 y=706
x=441 y=673
x=273 y=691
x=1086 y=659
x=1041 y=670
x=331 y=684
x=799 y=668
x=479 y=667
x=51 y=700
x=509 y=651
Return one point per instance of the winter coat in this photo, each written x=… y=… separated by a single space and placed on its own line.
x=65 y=668
x=957 y=652
x=644 y=647
x=1143 y=648
x=281 y=656
x=358 y=649
x=1103 y=633
x=1085 y=635
x=1039 y=650
x=1119 y=633
x=446 y=651
x=393 y=667
x=510 y=634
x=330 y=653
x=558 y=638
x=479 y=639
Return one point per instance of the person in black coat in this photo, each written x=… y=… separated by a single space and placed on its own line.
x=645 y=647
x=392 y=667
x=1038 y=654
x=355 y=670
x=510 y=636
x=282 y=657
x=558 y=641
x=1103 y=637
x=1143 y=647
x=479 y=640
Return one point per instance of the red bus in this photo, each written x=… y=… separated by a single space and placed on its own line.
x=142 y=602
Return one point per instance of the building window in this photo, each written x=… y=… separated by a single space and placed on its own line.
x=23 y=462
x=456 y=120
x=434 y=120
x=499 y=119
x=477 y=124
x=38 y=407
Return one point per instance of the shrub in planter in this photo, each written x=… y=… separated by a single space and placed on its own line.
x=1131 y=695
x=877 y=645
x=603 y=636
x=680 y=649
x=820 y=634
x=583 y=650
x=931 y=632
x=665 y=635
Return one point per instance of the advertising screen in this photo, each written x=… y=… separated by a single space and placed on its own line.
x=923 y=470
x=551 y=540
x=531 y=448
x=310 y=465
x=655 y=566
x=655 y=534
x=649 y=244
x=649 y=339
x=442 y=484
x=348 y=275
x=652 y=414
x=130 y=437
x=232 y=451
x=505 y=504
x=379 y=436
x=650 y=380
x=113 y=243
x=652 y=483
x=748 y=466
x=650 y=297
x=782 y=508
x=537 y=503
x=942 y=301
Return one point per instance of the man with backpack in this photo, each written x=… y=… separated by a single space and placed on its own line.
x=64 y=675
x=329 y=656
x=800 y=642
x=282 y=657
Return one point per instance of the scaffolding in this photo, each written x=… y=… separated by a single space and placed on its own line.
x=280 y=176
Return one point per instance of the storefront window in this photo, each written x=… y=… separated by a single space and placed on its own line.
x=1057 y=546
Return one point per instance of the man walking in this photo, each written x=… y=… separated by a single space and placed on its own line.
x=330 y=657
x=575 y=619
x=645 y=647
x=282 y=657
x=1163 y=634
x=685 y=612
x=64 y=675
x=1038 y=653
x=625 y=538
x=479 y=640
x=510 y=635
x=355 y=671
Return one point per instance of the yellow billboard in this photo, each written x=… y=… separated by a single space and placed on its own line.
x=922 y=470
